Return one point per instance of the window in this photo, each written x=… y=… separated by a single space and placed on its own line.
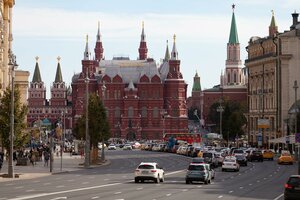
x=155 y=112
x=117 y=112
x=144 y=111
x=228 y=78
x=234 y=77
x=130 y=112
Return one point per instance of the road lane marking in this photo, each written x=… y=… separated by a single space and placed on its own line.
x=107 y=179
x=279 y=197
x=250 y=184
x=65 y=191
x=30 y=190
x=241 y=187
x=265 y=178
x=184 y=190
x=230 y=192
x=71 y=180
x=85 y=183
x=60 y=186
x=258 y=181
x=19 y=187
x=117 y=192
x=168 y=195
x=219 y=197
x=57 y=198
x=47 y=184
x=199 y=186
x=140 y=188
x=95 y=197
x=9 y=184
x=175 y=172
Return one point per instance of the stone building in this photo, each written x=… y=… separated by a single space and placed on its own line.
x=142 y=100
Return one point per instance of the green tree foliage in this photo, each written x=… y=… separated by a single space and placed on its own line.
x=20 y=112
x=98 y=122
x=233 y=119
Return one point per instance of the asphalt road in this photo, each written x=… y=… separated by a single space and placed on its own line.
x=115 y=181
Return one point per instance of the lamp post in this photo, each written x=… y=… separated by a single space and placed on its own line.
x=296 y=112
x=87 y=135
x=103 y=97
x=220 y=109
x=196 y=114
x=163 y=114
x=13 y=65
x=62 y=147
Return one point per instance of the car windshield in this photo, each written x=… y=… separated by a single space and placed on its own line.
x=198 y=160
x=146 y=167
x=238 y=151
x=229 y=160
x=205 y=155
x=196 y=167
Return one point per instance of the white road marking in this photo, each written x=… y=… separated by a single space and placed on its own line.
x=30 y=190
x=19 y=187
x=219 y=197
x=199 y=186
x=241 y=187
x=60 y=186
x=119 y=199
x=92 y=177
x=124 y=176
x=95 y=197
x=184 y=190
x=168 y=195
x=250 y=184
x=279 y=197
x=240 y=174
x=71 y=180
x=258 y=181
x=117 y=192
x=94 y=172
x=58 y=178
x=59 y=198
x=230 y=192
x=36 y=181
x=139 y=188
x=47 y=183
x=232 y=177
x=270 y=175
x=265 y=178
x=107 y=179
x=175 y=172
x=78 y=175
x=9 y=184
x=85 y=183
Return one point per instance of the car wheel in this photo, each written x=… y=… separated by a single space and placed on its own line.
x=157 y=179
x=187 y=182
x=162 y=179
x=136 y=180
x=223 y=170
x=209 y=181
x=246 y=164
x=206 y=182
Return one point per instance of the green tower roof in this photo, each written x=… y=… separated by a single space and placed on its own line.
x=233 y=37
x=37 y=75
x=196 y=85
x=167 y=54
x=273 y=23
x=58 y=76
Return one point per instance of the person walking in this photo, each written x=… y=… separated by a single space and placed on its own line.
x=46 y=158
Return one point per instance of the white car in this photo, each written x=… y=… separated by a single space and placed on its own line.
x=149 y=171
x=127 y=147
x=112 y=147
x=230 y=163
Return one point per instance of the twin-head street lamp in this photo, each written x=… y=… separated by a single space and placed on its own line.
x=12 y=65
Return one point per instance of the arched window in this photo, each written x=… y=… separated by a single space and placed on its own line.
x=117 y=112
x=130 y=112
x=234 y=77
x=155 y=112
x=228 y=78
x=144 y=111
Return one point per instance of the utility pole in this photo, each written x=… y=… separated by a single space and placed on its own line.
x=220 y=109
x=296 y=113
x=87 y=135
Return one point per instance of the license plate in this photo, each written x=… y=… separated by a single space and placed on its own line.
x=144 y=172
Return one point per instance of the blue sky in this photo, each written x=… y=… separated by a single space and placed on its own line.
x=52 y=28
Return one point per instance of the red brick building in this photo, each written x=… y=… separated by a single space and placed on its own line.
x=44 y=113
x=143 y=101
x=233 y=83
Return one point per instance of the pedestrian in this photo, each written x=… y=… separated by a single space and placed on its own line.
x=32 y=157
x=46 y=158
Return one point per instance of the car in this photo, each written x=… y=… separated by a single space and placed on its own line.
x=198 y=160
x=268 y=154
x=209 y=158
x=292 y=188
x=256 y=155
x=238 y=152
x=219 y=157
x=149 y=171
x=241 y=159
x=198 y=172
x=230 y=163
x=285 y=158
x=112 y=147
x=127 y=147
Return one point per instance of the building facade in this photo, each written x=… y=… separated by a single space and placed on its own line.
x=142 y=100
x=48 y=114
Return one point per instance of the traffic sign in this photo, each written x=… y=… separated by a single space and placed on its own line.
x=297 y=137
x=287 y=139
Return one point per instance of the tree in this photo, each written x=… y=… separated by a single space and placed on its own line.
x=233 y=118
x=20 y=112
x=98 y=122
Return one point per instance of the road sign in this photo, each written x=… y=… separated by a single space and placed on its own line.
x=287 y=139
x=297 y=137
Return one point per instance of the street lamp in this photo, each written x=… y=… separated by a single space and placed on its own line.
x=196 y=114
x=103 y=96
x=62 y=147
x=87 y=135
x=13 y=65
x=296 y=112
x=220 y=109
x=163 y=114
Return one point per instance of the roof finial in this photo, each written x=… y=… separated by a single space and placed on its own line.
x=98 y=25
x=58 y=59
x=167 y=42
x=233 y=7
x=174 y=38
x=272 y=12
x=143 y=24
x=37 y=58
x=87 y=38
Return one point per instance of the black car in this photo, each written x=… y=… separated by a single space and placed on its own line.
x=256 y=155
x=241 y=159
x=292 y=188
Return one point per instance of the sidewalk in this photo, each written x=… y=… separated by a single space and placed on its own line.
x=69 y=163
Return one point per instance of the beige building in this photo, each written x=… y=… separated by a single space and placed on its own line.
x=6 y=38
x=273 y=65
